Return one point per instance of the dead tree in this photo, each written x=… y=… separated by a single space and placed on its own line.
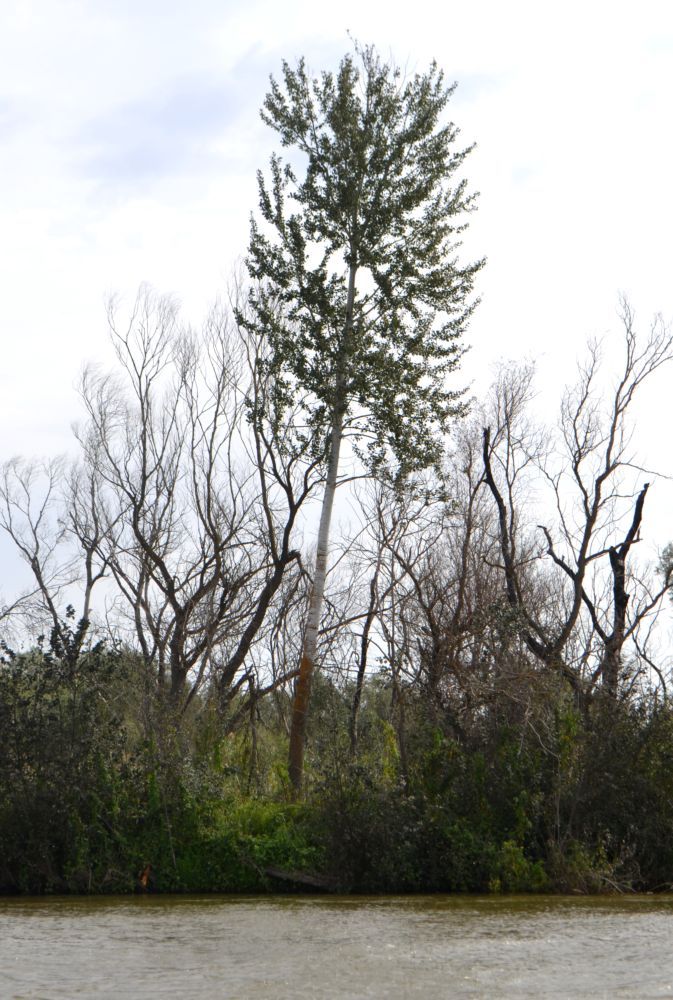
x=591 y=502
x=58 y=542
x=199 y=495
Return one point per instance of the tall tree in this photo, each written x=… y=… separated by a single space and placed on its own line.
x=357 y=280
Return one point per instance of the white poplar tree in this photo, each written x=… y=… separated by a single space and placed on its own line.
x=357 y=282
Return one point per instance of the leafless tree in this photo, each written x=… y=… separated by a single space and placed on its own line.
x=597 y=516
x=447 y=639
x=57 y=543
x=197 y=492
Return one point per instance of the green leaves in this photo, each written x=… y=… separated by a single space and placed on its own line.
x=359 y=289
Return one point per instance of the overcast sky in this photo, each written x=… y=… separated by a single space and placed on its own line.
x=131 y=135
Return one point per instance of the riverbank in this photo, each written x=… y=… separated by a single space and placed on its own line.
x=101 y=782
x=255 y=847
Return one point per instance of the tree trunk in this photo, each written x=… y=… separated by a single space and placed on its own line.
x=362 y=665
x=302 y=689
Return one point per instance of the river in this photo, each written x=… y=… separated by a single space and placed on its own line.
x=279 y=947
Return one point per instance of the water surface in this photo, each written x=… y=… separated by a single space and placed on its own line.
x=320 y=947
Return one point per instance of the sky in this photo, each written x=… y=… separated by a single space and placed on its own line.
x=131 y=135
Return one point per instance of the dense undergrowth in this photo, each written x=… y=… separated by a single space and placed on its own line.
x=97 y=781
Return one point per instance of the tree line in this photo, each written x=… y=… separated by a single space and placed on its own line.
x=448 y=694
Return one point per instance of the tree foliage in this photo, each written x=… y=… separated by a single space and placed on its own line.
x=491 y=703
x=360 y=291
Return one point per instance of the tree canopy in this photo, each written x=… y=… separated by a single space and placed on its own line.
x=360 y=289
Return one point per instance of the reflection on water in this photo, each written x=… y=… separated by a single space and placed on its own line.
x=319 y=947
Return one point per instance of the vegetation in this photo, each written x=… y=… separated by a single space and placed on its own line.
x=537 y=797
x=490 y=703
x=361 y=295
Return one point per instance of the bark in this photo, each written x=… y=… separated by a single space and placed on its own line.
x=362 y=665
x=302 y=691
x=612 y=658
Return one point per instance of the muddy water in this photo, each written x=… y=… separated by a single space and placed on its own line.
x=320 y=947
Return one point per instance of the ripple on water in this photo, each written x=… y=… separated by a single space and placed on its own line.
x=322 y=947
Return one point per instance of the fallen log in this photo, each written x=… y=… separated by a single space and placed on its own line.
x=321 y=882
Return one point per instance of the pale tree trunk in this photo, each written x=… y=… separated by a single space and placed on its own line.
x=302 y=690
